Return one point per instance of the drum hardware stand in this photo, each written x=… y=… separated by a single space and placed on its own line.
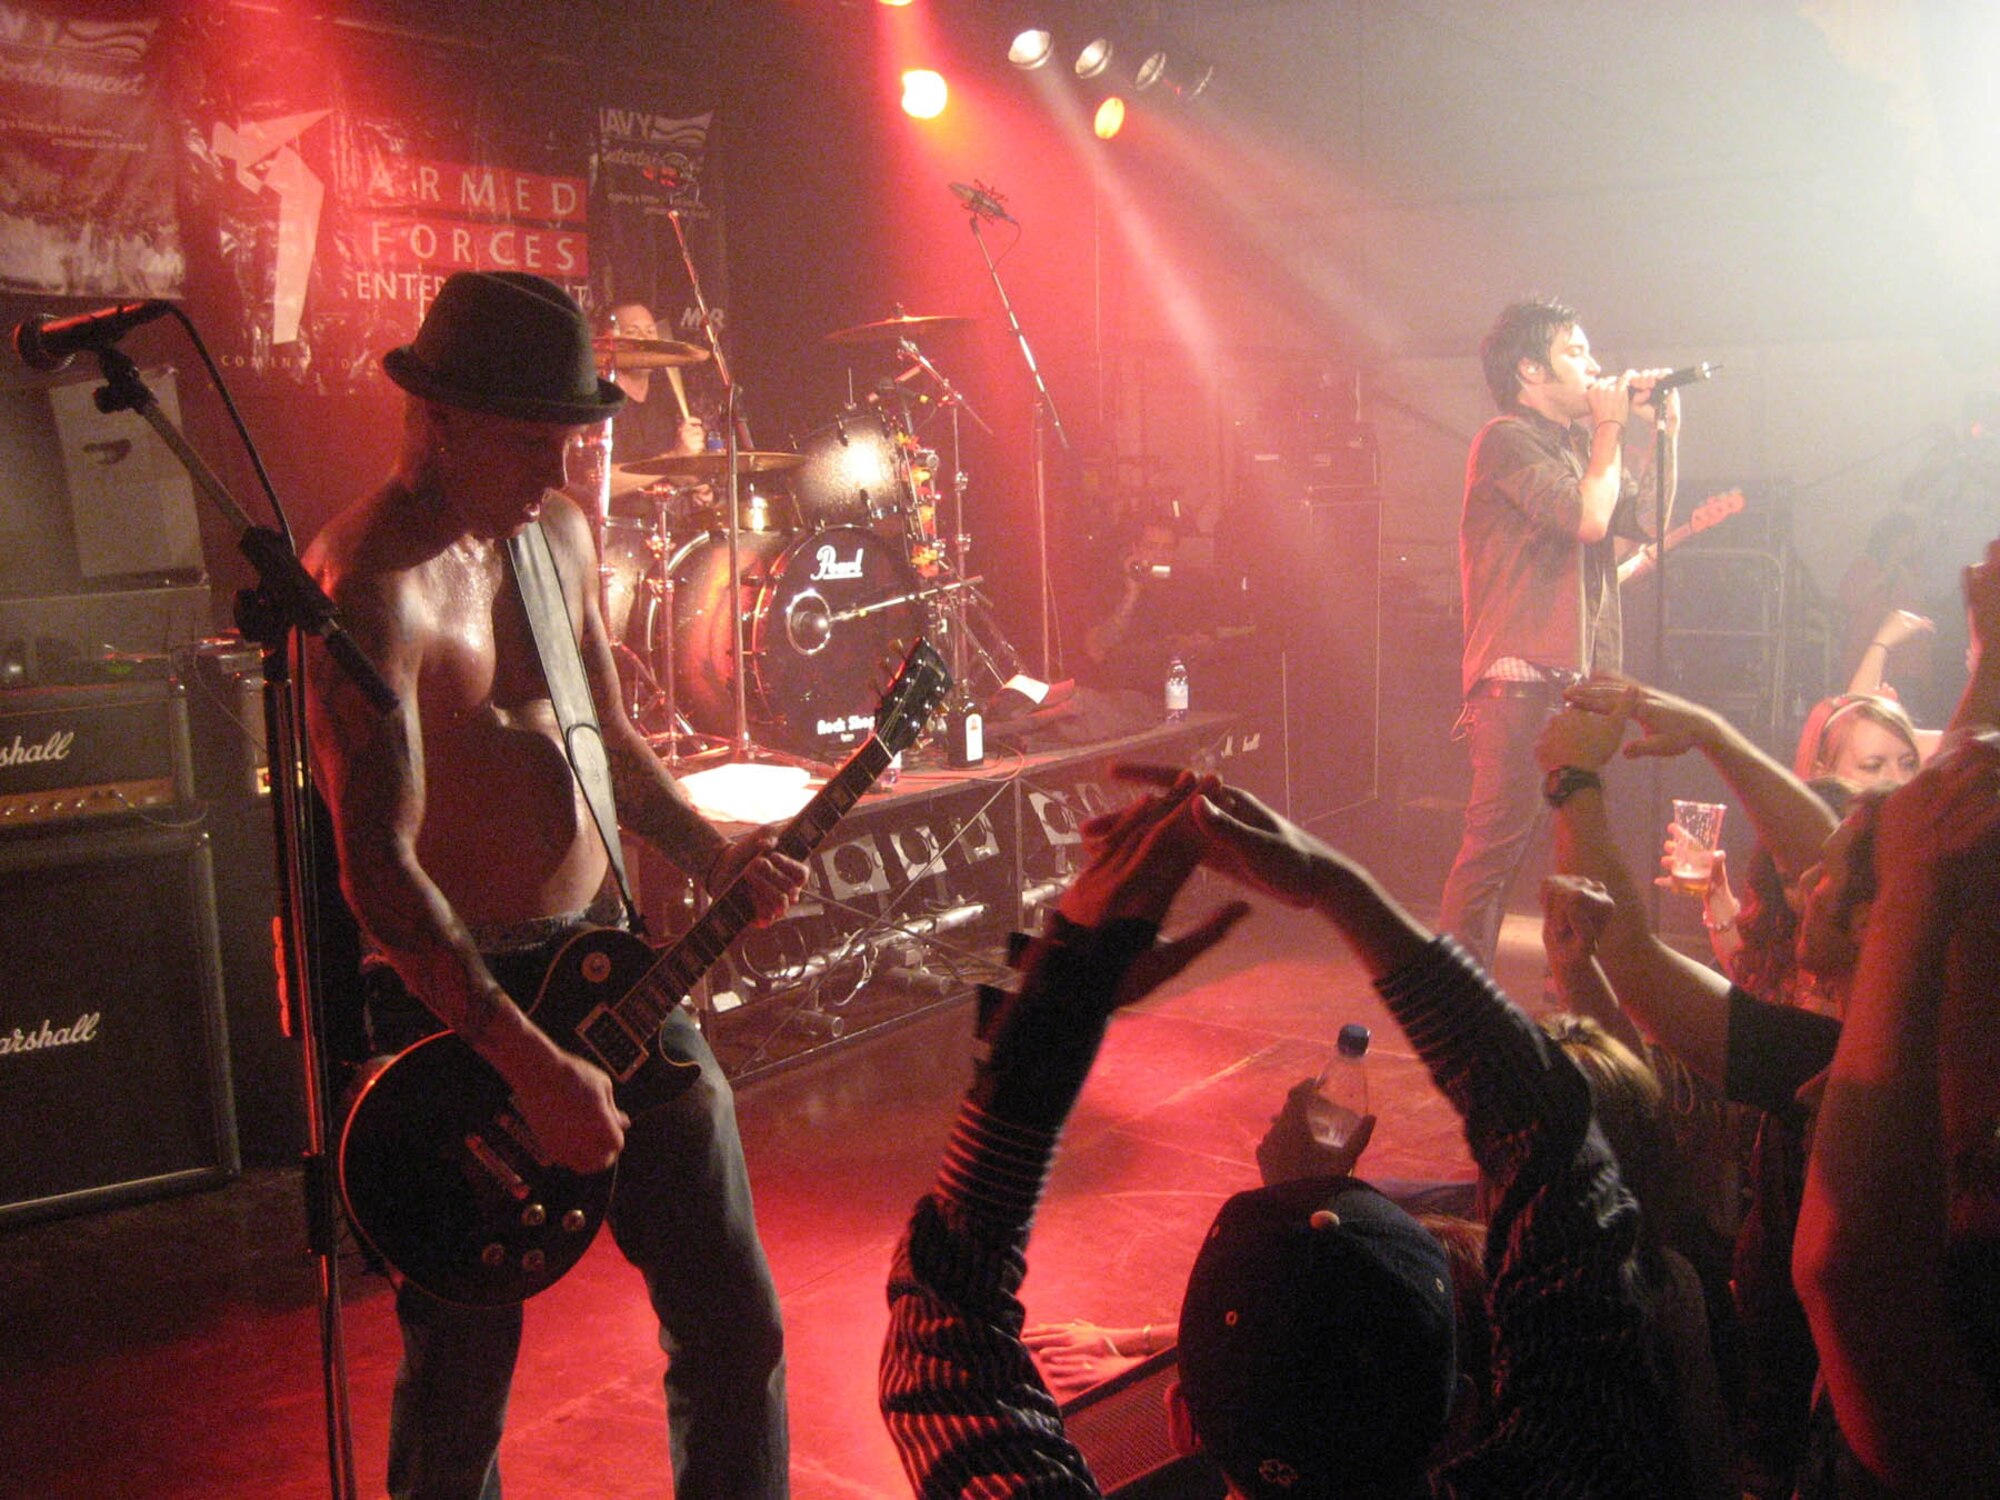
x=963 y=590
x=1046 y=417
x=741 y=748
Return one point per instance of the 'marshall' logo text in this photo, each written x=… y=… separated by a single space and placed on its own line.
x=80 y=1031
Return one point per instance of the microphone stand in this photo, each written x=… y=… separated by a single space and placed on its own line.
x=285 y=602
x=1046 y=416
x=1659 y=607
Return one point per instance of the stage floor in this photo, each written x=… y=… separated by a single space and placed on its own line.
x=170 y=1349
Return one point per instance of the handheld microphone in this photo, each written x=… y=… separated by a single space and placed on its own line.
x=49 y=343
x=982 y=202
x=1673 y=380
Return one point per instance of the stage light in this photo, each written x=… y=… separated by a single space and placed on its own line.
x=1094 y=58
x=924 y=93
x=1110 y=118
x=895 y=2
x=1150 y=72
x=1031 y=48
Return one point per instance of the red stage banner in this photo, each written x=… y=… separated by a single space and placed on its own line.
x=87 y=204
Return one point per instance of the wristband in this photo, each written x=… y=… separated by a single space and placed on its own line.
x=1564 y=782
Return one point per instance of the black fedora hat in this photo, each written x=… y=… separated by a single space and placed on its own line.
x=507 y=343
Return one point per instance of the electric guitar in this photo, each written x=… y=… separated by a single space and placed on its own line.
x=439 y=1171
x=1714 y=509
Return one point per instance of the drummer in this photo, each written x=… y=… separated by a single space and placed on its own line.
x=656 y=418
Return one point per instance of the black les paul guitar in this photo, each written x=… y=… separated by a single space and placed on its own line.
x=440 y=1174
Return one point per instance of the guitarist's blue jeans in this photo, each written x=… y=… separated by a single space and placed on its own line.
x=681 y=1213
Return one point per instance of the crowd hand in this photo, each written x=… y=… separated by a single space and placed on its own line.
x=1575 y=910
x=1305 y=1138
x=1046 y=1036
x=1078 y=1354
x=1719 y=902
x=1584 y=737
x=570 y=1113
x=1673 y=726
x=1944 y=824
x=1982 y=598
x=1900 y=625
x=770 y=878
x=1140 y=857
x=1247 y=841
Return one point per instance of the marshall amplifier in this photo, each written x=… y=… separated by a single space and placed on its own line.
x=114 y=1052
x=76 y=753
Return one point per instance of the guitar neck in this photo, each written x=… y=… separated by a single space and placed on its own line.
x=681 y=967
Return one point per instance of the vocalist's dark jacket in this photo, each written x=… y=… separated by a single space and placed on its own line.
x=1531 y=589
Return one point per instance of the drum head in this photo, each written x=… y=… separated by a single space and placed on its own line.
x=855 y=472
x=826 y=617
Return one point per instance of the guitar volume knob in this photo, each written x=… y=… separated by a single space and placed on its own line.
x=493 y=1254
x=534 y=1216
x=533 y=1261
x=574 y=1220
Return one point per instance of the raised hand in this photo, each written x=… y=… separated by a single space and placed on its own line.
x=1583 y=737
x=1305 y=1138
x=1575 y=910
x=1244 y=839
x=1673 y=726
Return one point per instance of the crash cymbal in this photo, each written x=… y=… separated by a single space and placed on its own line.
x=713 y=465
x=903 y=325
x=646 y=354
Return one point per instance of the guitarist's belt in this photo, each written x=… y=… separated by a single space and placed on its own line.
x=493 y=938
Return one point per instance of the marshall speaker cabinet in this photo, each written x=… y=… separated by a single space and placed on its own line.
x=114 y=1072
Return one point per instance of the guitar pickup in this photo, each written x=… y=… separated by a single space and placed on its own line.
x=496 y=1166
x=618 y=1051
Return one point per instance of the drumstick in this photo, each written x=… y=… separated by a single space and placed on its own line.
x=680 y=392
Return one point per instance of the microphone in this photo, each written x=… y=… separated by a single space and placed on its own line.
x=982 y=202
x=1673 y=380
x=49 y=343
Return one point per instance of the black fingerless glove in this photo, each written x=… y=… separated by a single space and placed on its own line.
x=1044 y=1038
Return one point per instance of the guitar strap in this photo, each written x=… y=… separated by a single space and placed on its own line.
x=541 y=588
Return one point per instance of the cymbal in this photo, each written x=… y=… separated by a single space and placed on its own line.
x=713 y=465
x=646 y=354
x=903 y=325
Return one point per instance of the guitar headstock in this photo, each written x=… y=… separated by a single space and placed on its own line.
x=919 y=687
x=1715 y=508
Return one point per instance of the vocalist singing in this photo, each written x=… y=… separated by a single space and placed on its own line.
x=1565 y=468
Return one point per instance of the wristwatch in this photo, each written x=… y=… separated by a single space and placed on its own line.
x=1564 y=782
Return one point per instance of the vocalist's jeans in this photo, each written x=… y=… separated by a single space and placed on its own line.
x=681 y=1213
x=1502 y=811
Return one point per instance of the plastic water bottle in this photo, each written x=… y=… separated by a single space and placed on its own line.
x=1343 y=1084
x=1177 y=691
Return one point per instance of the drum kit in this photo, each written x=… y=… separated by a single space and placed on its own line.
x=840 y=553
